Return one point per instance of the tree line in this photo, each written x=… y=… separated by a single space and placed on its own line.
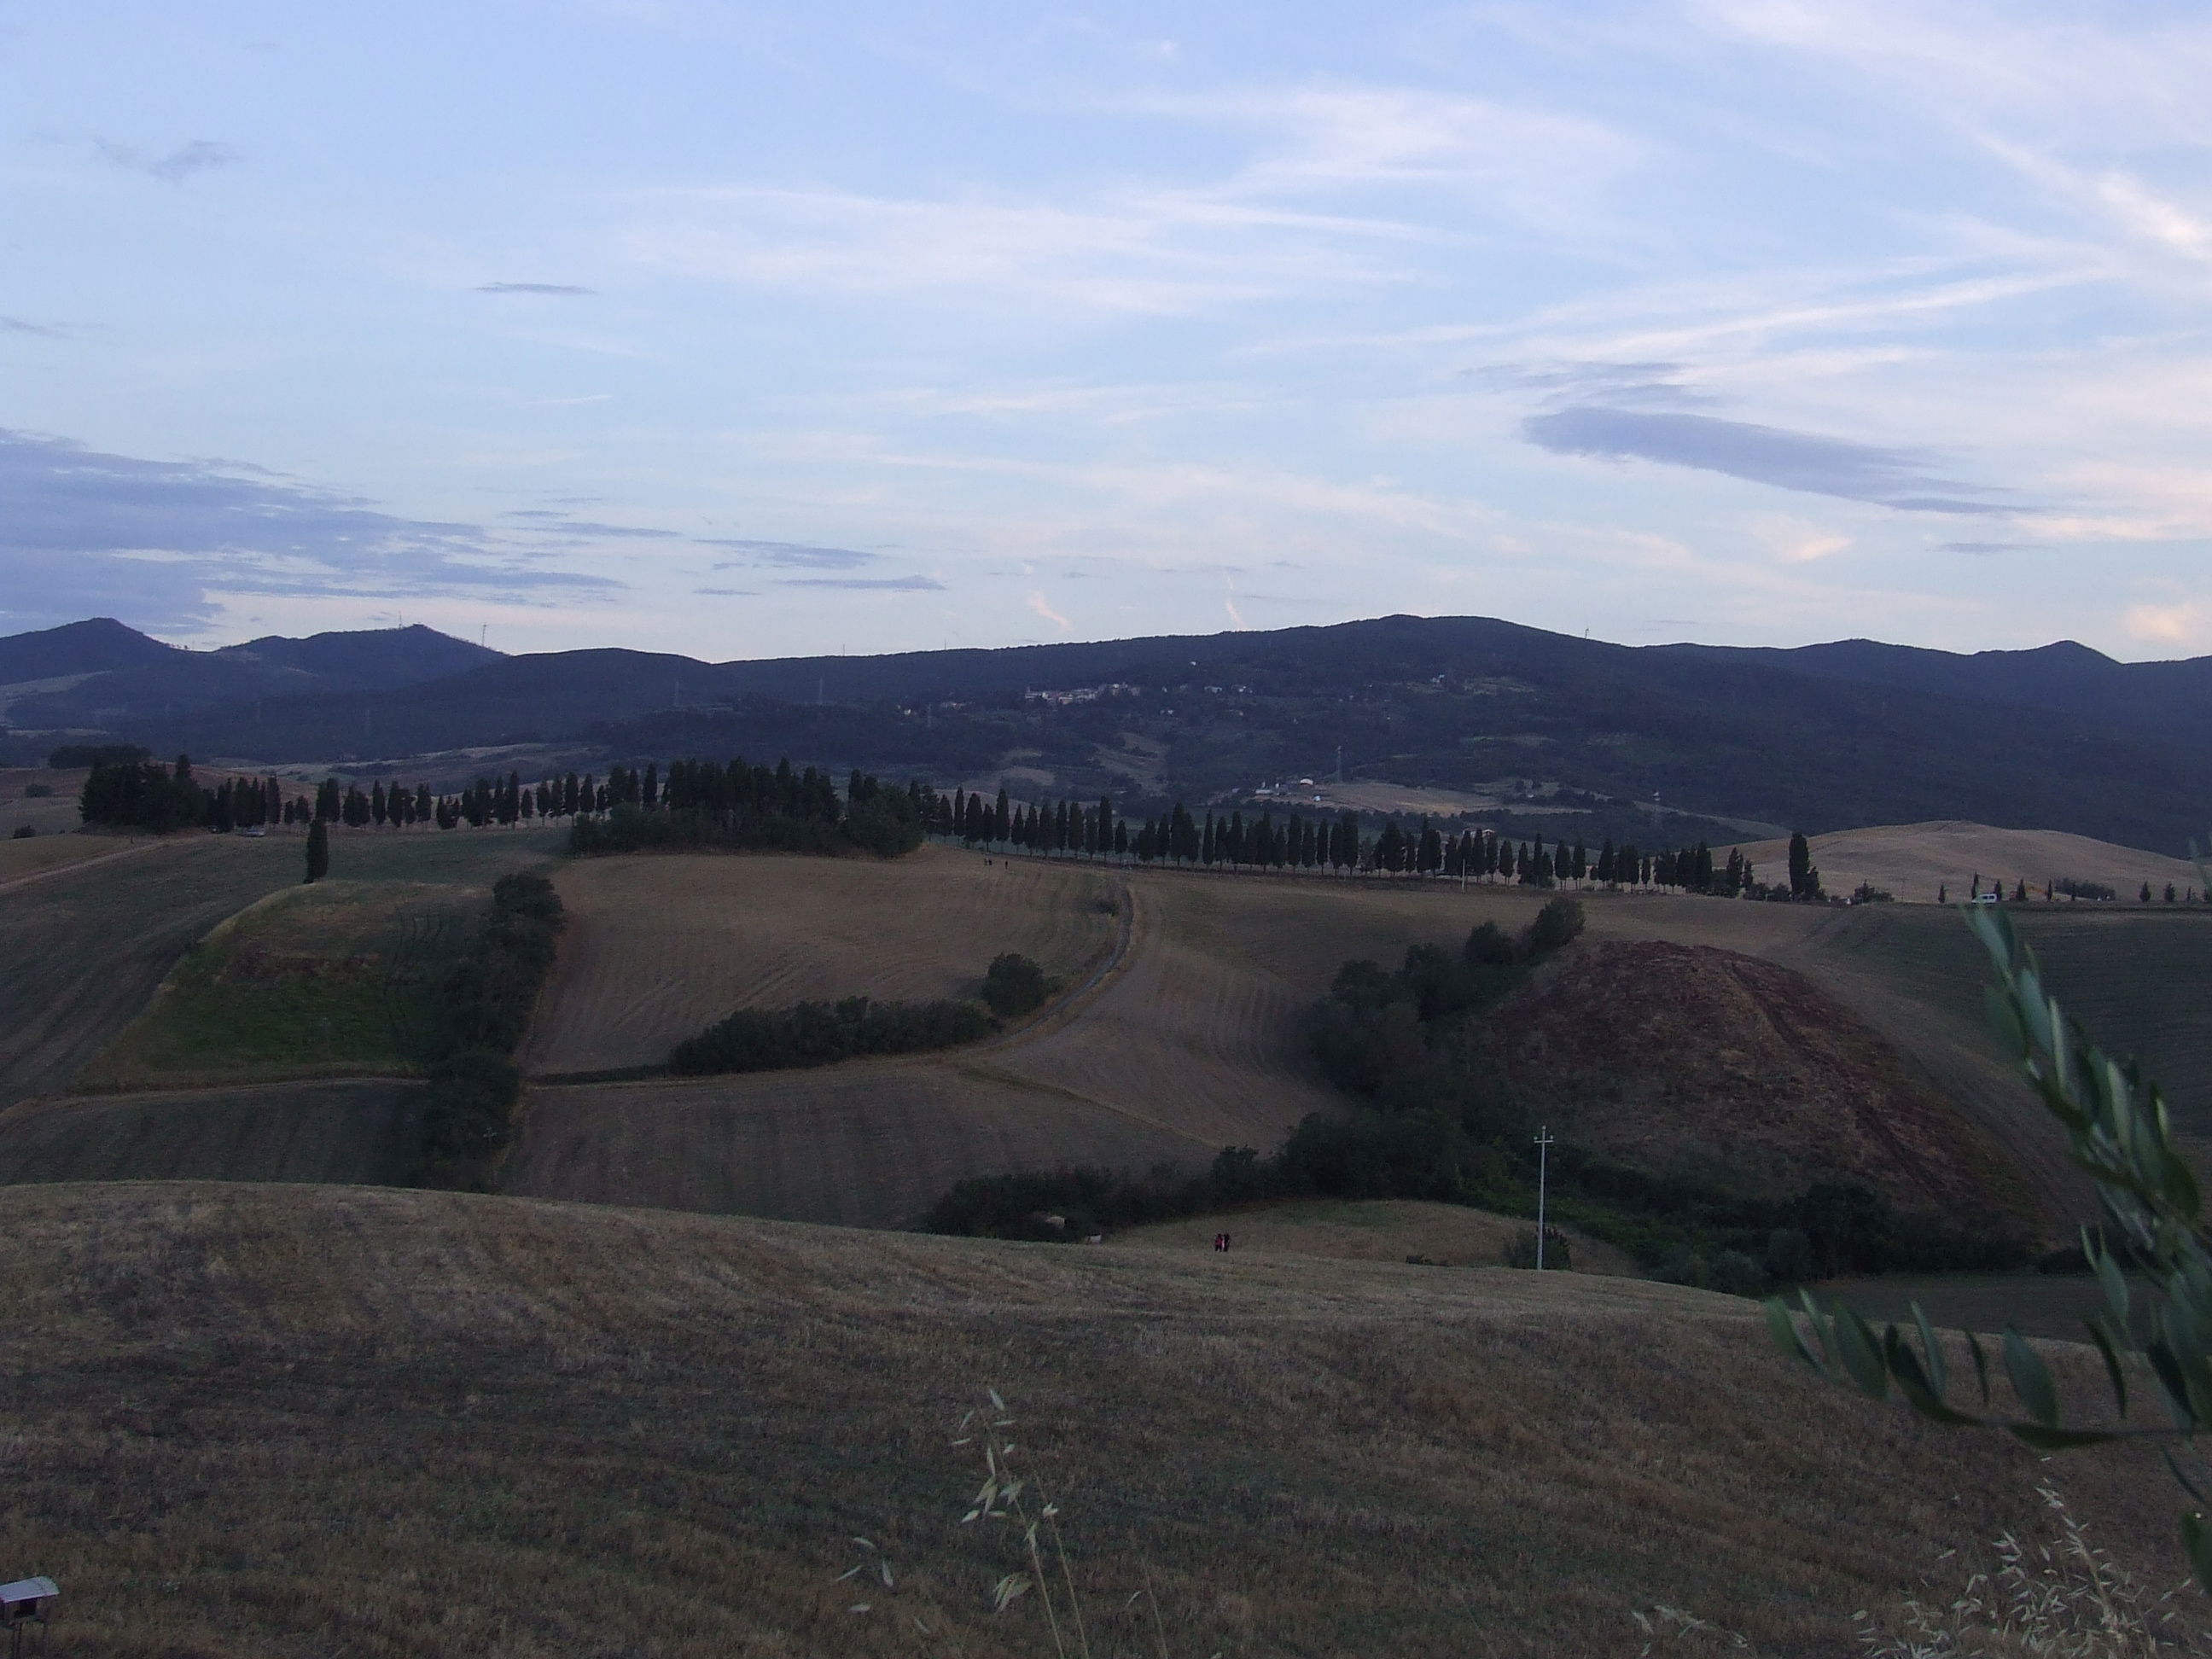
x=485 y=1006
x=740 y=806
x=809 y=1034
x=1341 y=844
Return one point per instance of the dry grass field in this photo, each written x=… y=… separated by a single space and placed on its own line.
x=289 y=1420
x=660 y=947
x=1913 y=861
x=1372 y=1230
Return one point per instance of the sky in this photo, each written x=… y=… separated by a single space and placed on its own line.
x=747 y=330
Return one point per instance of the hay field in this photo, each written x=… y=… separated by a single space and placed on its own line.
x=280 y=1420
x=660 y=947
x=1371 y=1230
x=1914 y=860
x=338 y=977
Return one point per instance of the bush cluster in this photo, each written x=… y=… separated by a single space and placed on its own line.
x=824 y=1033
x=1013 y=985
x=485 y=1006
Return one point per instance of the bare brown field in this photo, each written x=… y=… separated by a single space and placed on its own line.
x=1914 y=862
x=873 y=1144
x=280 y=1420
x=1374 y=1230
x=660 y=947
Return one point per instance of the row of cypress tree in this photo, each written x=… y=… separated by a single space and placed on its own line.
x=1089 y=829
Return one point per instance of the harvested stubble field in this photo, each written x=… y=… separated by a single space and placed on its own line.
x=281 y=1420
x=336 y=978
x=660 y=947
x=1173 y=1047
x=870 y=1143
x=1373 y=1230
x=1190 y=1039
x=365 y=1132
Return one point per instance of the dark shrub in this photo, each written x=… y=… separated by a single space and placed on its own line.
x=1014 y=985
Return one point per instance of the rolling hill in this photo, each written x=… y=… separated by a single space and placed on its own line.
x=276 y=1419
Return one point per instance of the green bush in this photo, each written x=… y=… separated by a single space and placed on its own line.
x=824 y=1033
x=1013 y=985
x=470 y=1110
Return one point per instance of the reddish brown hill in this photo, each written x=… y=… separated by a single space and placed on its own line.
x=1693 y=1060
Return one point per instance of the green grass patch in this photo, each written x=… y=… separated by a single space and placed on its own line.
x=336 y=978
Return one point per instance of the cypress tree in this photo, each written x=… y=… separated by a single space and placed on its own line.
x=376 y=807
x=319 y=849
x=1804 y=879
x=1002 y=818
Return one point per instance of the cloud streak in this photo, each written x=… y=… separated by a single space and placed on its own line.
x=1899 y=479
x=792 y=556
x=89 y=533
x=889 y=584
x=558 y=289
x=201 y=155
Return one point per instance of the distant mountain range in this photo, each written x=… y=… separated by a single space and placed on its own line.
x=100 y=675
x=1566 y=733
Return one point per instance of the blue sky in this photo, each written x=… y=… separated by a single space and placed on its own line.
x=743 y=331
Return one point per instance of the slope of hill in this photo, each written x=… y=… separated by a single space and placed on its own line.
x=1684 y=1059
x=1916 y=862
x=266 y=1421
x=1650 y=744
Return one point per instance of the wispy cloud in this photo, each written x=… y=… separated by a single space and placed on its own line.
x=555 y=288
x=201 y=155
x=894 y=584
x=794 y=556
x=1899 y=479
x=44 y=331
x=88 y=534
x=1038 y=603
x=545 y=521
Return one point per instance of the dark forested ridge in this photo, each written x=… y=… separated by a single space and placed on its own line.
x=1730 y=742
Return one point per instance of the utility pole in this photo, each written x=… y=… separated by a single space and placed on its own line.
x=1543 y=1173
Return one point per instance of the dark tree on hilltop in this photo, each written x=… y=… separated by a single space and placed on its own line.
x=1804 y=879
x=319 y=849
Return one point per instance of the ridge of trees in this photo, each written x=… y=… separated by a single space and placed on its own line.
x=484 y=1005
x=1340 y=843
x=810 y=1034
x=703 y=805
